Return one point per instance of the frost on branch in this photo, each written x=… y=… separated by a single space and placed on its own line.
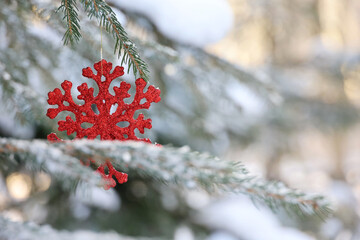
x=104 y=123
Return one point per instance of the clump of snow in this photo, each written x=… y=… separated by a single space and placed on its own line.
x=240 y=217
x=183 y=233
x=194 y=22
x=331 y=228
x=245 y=98
x=342 y=194
x=221 y=236
x=98 y=197
x=120 y=16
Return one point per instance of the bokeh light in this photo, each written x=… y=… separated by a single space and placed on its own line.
x=19 y=185
x=42 y=181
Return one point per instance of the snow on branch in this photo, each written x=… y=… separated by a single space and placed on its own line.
x=30 y=231
x=181 y=166
x=24 y=100
x=40 y=155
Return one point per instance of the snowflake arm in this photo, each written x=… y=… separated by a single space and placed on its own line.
x=109 y=181
x=127 y=111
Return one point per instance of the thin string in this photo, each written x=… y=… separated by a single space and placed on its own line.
x=101 y=48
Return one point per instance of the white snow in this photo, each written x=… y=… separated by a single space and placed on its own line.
x=10 y=126
x=221 y=236
x=4 y=42
x=194 y=22
x=341 y=194
x=42 y=30
x=120 y=16
x=245 y=98
x=98 y=197
x=183 y=233
x=241 y=218
x=197 y=199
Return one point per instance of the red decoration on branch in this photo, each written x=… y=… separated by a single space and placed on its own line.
x=104 y=123
x=109 y=181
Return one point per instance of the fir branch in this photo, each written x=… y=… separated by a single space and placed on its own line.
x=123 y=44
x=27 y=103
x=30 y=231
x=179 y=166
x=42 y=156
x=72 y=34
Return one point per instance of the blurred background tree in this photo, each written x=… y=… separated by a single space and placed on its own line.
x=275 y=84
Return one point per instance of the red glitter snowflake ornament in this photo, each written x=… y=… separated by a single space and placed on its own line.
x=104 y=123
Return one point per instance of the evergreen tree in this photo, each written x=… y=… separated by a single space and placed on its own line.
x=196 y=110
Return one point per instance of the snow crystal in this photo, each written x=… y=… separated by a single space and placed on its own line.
x=194 y=22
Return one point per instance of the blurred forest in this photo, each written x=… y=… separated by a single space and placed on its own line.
x=308 y=50
x=280 y=92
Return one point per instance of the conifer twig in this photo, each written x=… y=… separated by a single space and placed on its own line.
x=180 y=166
x=103 y=12
x=30 y=231
x=72 y=33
